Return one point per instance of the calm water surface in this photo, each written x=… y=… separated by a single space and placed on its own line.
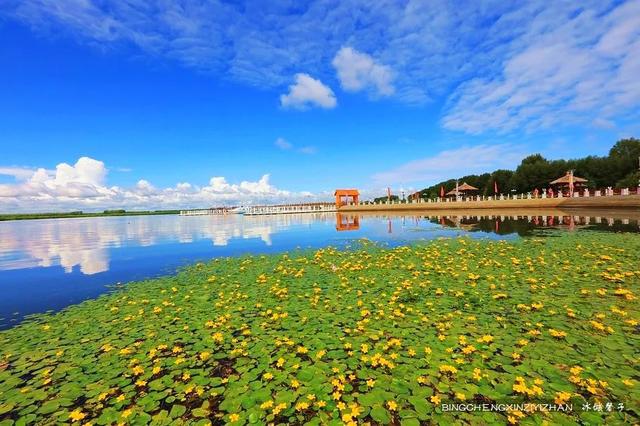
x=49 y=264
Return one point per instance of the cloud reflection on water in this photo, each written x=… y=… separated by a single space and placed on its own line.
x=86 y=242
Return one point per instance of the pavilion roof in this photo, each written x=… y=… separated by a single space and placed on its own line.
x=462 y=188
x=567 y=179
x=346 y=192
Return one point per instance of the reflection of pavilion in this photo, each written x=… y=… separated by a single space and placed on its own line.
x=347 y=222
x=462 y=222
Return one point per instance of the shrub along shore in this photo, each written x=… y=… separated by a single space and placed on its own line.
x=378 y=335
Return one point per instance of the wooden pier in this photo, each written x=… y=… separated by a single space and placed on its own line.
x=217 y=211
x=263 y=210
x=290 y=208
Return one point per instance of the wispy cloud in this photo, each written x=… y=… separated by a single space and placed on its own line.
x=285 y=145
x=453 y=163
x=308 y=150
x=307 y=92
x=510 y=65
x=576 y=67
x=83 y=186
x=358 y=71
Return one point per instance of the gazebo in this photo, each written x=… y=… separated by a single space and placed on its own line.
x=569 y=181
x=415 y=196
x=346 y=196
x=464 y=189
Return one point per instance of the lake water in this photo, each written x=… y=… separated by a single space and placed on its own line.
x=50 y=264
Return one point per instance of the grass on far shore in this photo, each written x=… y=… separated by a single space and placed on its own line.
x=373 y=335
x=30 y=216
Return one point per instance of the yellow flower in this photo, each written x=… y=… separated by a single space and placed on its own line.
x=234 y=417
x=301 y=406
x=77 y=415
x=576 y=370
x=267 y=376
x=126 y=413
x=487 y=338
x=468 y=349
x=371 y=383
x=393 y=406
x=562 y=397
x=477 y=374
x=557 y=334
x=435 y=399
x=629 y=382
x=448 y=369
x=204 y=356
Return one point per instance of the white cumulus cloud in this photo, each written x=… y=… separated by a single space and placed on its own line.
x=19 y=173
x=358 y=71
x=82 y=186
x=306 y=92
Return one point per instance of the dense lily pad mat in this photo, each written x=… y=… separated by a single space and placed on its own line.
x=330 y=337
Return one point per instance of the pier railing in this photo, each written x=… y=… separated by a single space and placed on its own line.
x=205 y=212
x=290 y=208
x=585 y=193
x=264 y=210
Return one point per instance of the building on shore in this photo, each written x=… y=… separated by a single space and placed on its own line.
x=569 y=183
x=462 y=190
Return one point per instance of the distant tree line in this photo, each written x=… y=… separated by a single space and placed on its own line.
x=618 y=169
x=62 y=215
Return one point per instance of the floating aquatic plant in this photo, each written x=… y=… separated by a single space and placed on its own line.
x=372 y=335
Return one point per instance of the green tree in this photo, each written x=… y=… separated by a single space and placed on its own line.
x=632 y=180
x=617 y=169
x=503 y=178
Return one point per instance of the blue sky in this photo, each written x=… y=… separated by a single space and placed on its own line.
x=148 y=104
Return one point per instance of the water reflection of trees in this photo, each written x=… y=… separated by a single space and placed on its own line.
x=528 y=225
